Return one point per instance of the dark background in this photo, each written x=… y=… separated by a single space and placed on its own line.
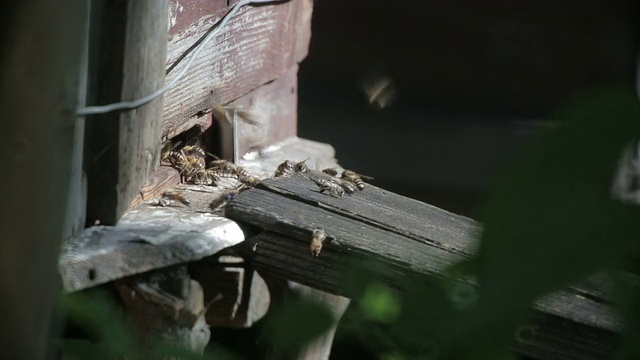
x=475 y=79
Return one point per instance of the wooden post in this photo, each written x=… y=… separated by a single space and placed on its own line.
x=42 y=55
x=130 y=39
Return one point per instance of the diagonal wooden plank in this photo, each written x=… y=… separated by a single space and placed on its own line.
x=408 y=238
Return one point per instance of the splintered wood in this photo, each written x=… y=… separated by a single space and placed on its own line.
x=406 y=238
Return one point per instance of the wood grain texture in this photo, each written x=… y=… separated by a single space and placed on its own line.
x=127 y=62
x=146 y=238
x=257 y=46
x=406 y=238
x=42 y=48
x=245 y=296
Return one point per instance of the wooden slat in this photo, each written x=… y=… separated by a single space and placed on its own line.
x=257 y=46
x=42 y=49
x=127 y=63
x=146 y=238
x=407 y=238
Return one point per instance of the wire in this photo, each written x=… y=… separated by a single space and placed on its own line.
x=92 y=110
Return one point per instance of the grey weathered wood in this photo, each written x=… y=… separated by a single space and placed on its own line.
x=166 y=305
x=123 y=147
x=245 y=296
x=406 y=237
x=274 y=107
x=257 y=46
x=42 y=47
x=146 y=238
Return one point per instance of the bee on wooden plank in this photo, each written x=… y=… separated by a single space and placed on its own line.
x=166 y=152
x=205 y=177
x=317 y=239
x=302 y=166
x=227 y=169
x=355 y=178
x=348 y=186
x=250 y=181
x=169 y=196
x=285 y=169
x=329 y=187
x=330 y=171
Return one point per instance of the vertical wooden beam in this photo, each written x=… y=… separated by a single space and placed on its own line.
x=41 y=63
x=128 y=62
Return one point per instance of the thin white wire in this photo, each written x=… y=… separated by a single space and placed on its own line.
x=91 y=110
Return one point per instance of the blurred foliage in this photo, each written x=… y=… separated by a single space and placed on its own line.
x=296 y=322
x=106 y=335
x=549 y=221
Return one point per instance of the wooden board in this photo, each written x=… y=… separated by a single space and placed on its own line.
x=257 y=46
x=122 y=148
x=406 y=237
x=146 y=238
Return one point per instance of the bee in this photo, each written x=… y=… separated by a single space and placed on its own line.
x=317 y=238
x=355 y=178
x=225 y=168
x=223 y=199
x=284 y=169
x=168 y=148
x=329 y=187
x=250 y=181
x=174 y=196
x=194 y=150
x=330 y=171
x=302 y=166
x=348 y=186
x=226 y=113
x=205 y=177
x=381 y=92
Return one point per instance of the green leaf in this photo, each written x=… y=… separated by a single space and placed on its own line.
x=380 y=303
x=296 y=323
x=551 y=219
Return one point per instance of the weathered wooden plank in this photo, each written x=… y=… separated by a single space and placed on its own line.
x=257 y=46
x=123 y=147
x=245 y=296
x=297 y=219
x=576 y=323
x=390 y=211
x=42 y=47
x=146 y=238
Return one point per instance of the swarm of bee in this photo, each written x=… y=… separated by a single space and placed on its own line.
x=348 y=182
x=190 y=160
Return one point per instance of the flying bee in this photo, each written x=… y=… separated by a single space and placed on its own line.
x=330 y=171
x=226 y=114
x=355 y=178
x=317 y=238
x=329 y=187
x=175 y=196
x=302 y=166
x=284 y=169
x=381 y=92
